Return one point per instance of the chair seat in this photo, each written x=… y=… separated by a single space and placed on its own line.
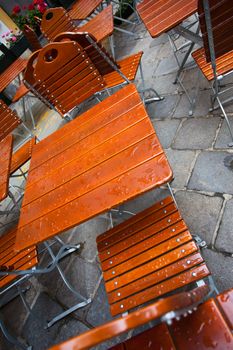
x=16 y=261
x=224 y=63
x=22 y=155
x=128 y=66
x=81 y=9
x=161 y=16
x=148 y=256
x=205 y=328
x=101 y=26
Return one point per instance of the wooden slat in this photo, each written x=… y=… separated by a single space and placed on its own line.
x=116 y=155
x=26 y=259
x=83 y=8
x=22 y=155
x=159 y=16
x=162 y=288
x=225 y=302
x=12 y=72
x=128 y=66
x=9 y=120
x=224 y=63
x=5 y=160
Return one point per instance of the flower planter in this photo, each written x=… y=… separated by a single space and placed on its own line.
x=20 y=46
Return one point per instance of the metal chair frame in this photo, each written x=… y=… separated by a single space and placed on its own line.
x=24 y=275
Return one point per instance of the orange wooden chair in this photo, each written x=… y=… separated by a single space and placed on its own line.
x=62 y=76
x=114 y=73
x=215 y=59
x=57 y=20
x=209 y=326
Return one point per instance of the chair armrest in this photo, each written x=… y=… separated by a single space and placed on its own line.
x=135 y=319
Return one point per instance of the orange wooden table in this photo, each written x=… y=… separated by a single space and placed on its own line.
x=104 y=157
x=5 y=163
x=159 y=16
x=12 y=72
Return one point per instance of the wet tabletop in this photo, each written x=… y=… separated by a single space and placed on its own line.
x=161 y=16
x=5 y=162
x=104 y=157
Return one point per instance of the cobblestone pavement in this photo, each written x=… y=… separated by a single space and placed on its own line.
x=203 y=184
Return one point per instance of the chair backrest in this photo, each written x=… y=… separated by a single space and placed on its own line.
x=62 y=75
x=31 y=38
x=81 y=9
x=221 y=21
x=103 y=61
x=55 y=21
x=9 y=120
x=135 y=319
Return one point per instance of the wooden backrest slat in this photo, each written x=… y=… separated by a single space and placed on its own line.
x=9 y=120
x=63 y=74
x=222 y=21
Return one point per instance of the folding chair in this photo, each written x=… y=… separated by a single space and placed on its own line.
x=204 y=326
x=113 y=73
x=147 y=257
x=62 y=76
x=215 y=59
x=57 y=20
x=167 y=17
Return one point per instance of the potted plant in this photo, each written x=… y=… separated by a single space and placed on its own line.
x=27 y=14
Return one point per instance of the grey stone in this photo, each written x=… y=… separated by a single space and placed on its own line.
x=200 y=212
x=166 y=66
x=224 y=239
x=201 y=109
x=163 y=109
x=164 y=84
x=181 y=164
x=224 y=136
x=99 y=311
x=212 y=172
x=196 y=133
x=192 y=77
x=166 y=130
x=71 y=328
x=158 y=41
x=77 y=272
x=220 y=267
x=44 y=309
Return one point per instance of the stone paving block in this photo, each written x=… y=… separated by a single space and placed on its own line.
x=77 y=272
x=196 y=133
x=33 y=330
x=164 y=84
x=70 y=329
x=166 y=66
x=162 y=39
x=166 y=130
x=200 y=212
x=193 y=75
x=220 y=267
x=201 y=108
x=181 y=164
x=212 y=172
x=224 y=136
x=163 y=109
x=224 y=239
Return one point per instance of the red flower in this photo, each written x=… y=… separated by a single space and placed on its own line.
x=31 y=7
x=16 y=9
x=41 y=8
x=24 y=7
